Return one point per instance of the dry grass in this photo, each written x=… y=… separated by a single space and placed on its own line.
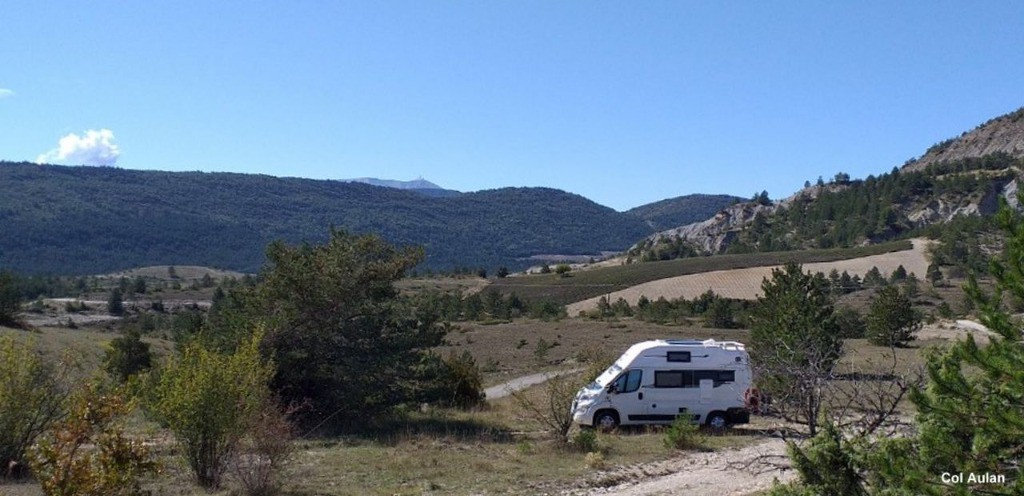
x=466 y=284
x=89 y=345
x=513 y=456
x=184 y=273
x=509 y=350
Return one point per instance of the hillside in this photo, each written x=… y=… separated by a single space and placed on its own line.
x=957 y=179
x=1004 y=134
x=745 y=283
x=80 y=220
x=682 y=210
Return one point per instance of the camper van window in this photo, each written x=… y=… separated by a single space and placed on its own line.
x=605 y=378
x=678 y=356
x=718 y=376
x=628 y=382
x=673 y=378
x=691 y=378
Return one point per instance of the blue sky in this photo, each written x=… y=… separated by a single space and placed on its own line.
x=622 y=102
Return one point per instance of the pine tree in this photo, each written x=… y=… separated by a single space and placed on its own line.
x=892 y=320
x=795 y=341
x=115 y=303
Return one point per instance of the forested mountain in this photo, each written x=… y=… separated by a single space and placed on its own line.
x=682 y=210
x=953 y=182
x=80 y=220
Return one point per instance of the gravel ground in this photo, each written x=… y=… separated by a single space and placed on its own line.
x=739 y=471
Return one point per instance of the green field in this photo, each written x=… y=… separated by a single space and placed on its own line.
x=595 y=282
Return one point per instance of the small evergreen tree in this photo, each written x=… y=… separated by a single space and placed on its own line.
x=10 y=299
x=892 y=320
x=898 y=275
x=139 y=285
x=127 y=356
x=934 y=274
x=873 y=278
x=719 y=314
x=115 y=303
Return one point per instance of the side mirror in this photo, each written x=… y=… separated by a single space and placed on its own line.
x=613 y=389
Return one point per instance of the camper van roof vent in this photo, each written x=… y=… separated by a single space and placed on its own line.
x=691 y=342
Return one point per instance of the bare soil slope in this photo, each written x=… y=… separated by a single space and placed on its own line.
x=746 y=283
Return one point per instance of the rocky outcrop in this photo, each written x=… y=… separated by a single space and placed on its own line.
x=945 y=208
x=714 y=235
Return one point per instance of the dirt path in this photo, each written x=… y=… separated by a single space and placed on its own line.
x=953 y=331
x=520 y=383
x=745 y=284
x=730 y=472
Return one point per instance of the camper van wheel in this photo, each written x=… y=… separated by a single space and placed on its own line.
x=717 y=421
x=606 y=420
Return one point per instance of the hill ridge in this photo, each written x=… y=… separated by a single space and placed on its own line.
x=85 y=220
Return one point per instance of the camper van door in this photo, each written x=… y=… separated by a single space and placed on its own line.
x=707 y=389
x=626 y=396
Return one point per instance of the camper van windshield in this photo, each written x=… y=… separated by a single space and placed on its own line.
x=605 y=378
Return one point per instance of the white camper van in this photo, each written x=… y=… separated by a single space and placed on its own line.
x=656 y=381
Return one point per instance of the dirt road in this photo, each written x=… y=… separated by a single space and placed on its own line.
x=730 y=472
x=519 y=383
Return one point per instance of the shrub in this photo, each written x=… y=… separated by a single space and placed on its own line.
x=208 y=400
x=264 y=452
x=87 y=453
x=683 y=434
x=585 y=440
x=542 y=349
x=462 y=381
x=596 y=460
x=33 y=395
x=554 y=408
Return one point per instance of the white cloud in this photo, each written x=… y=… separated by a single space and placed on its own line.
x=5 y=93
x=94 y=148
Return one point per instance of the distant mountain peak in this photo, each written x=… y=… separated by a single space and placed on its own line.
x=418 y=183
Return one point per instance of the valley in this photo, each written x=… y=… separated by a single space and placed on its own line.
x=205 y=262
